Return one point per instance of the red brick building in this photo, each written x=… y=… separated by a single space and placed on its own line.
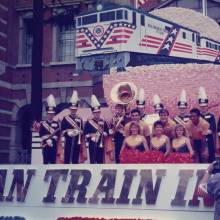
x=58 y=63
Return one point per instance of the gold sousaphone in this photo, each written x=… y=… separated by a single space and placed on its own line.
x=123 y=93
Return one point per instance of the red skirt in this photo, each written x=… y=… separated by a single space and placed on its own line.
x=179 y=158
x=135 y=156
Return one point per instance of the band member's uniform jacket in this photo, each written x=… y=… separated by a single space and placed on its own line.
x=72 y=127
x=49 y=132
x=183 y=118
x=117 y=131
x=197 y=135
x=95 y=132
x=210 y=137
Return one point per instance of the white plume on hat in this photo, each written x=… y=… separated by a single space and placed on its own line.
x=94 y=102
x=74 y=98
x=202 y=93
x=51 y=101
x=156 y=99
x=183 y=96
x=141 y=95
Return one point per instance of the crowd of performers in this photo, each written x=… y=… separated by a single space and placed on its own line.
x=132 y=136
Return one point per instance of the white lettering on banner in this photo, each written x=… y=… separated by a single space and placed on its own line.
x=125 y=191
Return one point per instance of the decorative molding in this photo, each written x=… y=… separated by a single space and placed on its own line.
x=51 y=85
x=5 y=138
x=62 y=63
x=5 y=112
x=6 y=125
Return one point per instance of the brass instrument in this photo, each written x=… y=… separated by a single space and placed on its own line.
x=123 y=93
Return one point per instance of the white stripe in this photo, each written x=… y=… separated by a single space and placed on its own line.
x=2 y=48
x=3 y=21
x=3 y=7
x=3 y=35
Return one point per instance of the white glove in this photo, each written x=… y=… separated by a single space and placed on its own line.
x=209 y=131
x=70 y=133
x=111 y=131
x=49 y=142
x=105 y=134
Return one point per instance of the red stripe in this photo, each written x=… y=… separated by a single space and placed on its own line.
x=181 y=51
x=207 y=50
x=184 y=48
x=152 y=37
x=81 y=41
x=185 y=45
x=116 y=42
x=207 y=54
x=153 y=46
x=148 y=45
x=151 y=41
x=123 y=30
x=120 y=36
x=83 y=46
x=80 y=36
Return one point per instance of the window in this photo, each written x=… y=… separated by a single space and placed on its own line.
x=27 y=41
x=90 y=19
x=66 y=43
x=207 y=44
x=142 y=20
x=193 y=37
x=126 y=14
x=107 y=16
x=79 y=21
x=184 y=35
x=119 y=14
x=133 y=18
x=216 y=47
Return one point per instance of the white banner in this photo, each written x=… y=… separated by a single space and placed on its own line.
x=160 y=192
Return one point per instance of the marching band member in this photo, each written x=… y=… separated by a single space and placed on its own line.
x=144 y=128
x=151 y=118
x=117 y=129
x=72 y=127
x=157 y=104
x=96 y=130
x=141 y=103
x=182 y=106
x=210 y=118
x=168 y=123
x=49 y=131
x=197 y=128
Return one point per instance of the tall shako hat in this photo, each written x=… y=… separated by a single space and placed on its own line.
x=182 y=101
x=51 y=104
x=95 y=105
x=203 y=99
x=141 y=98
x=74 y=100
x=157 y=103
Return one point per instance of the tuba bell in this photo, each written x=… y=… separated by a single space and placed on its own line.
x=123 y=93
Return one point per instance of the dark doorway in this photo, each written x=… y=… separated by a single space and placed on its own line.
x=23 y=135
